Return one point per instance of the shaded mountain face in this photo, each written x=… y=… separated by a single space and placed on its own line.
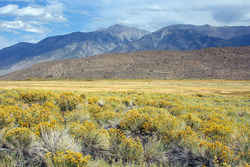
x=211 y=63
x=225 y=32
x=120 y=39
x=15 y=53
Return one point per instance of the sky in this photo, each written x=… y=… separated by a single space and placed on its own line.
x=33 y=20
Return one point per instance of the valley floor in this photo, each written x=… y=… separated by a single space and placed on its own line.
x=223 y=87
x=130 y=123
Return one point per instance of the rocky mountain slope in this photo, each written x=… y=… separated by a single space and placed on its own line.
x=212 y=63
x=120 y=39
x=189 y=37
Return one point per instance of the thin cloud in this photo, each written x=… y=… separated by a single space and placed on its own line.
x=31 y=18
x=52 y=12
x=22 y=26
x=4 y=42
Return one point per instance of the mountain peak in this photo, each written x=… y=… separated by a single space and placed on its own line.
x=124 y=32
x=117 y=26
x=122 y=28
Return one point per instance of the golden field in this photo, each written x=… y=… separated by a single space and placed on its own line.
x=161 y=86
x=138 y=123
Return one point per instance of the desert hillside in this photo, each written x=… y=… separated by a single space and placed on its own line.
x=212 y=63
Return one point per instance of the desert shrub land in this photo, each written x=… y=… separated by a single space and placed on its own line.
x=59 y=128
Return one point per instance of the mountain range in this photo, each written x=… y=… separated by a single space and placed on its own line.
x=120 y=39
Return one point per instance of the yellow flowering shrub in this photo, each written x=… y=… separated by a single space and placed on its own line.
x=217 y=128
x=168 y=126
x=51 y=106
x=9 y=101
x=47 y=126
x=33 y=96
x=116 y=136
x=94 y=109
x=218 y=151
x=189 y=139
x=131 y=150
x=137 y=122
x=113 y=100
x=31 y=115
x=19 y=137
x=178 y=109
x=6 y=119
x=82 y=130
x=93 y=100
x=94 y=141
x=192 y=120
x=67 y=158
x=126 y=149
x=127 y=101
x=68 y=101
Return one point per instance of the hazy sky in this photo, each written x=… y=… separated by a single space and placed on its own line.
x=32 y=20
